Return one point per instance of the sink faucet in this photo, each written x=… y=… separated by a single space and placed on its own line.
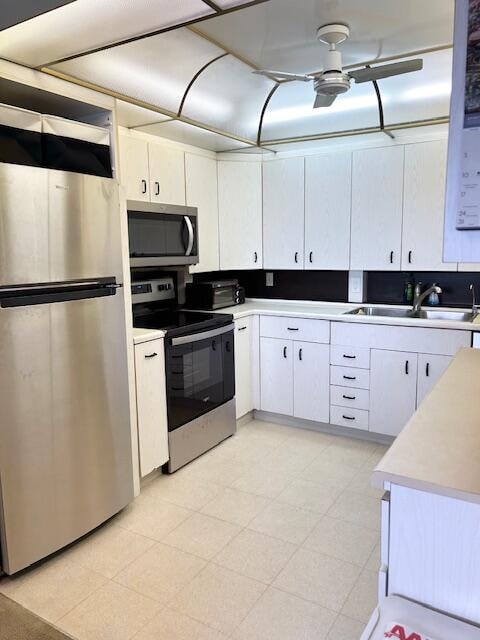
x=420 y=297
x=474 y=302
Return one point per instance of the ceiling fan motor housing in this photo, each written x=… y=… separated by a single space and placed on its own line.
x=332 y=83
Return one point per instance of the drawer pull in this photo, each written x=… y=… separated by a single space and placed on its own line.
x=242 y=328
x=157 y=188
x=151 y=355
x=348 y=417
x=292 y=328
x=144 y=186
x=349 y=397
x=349 y=357
x=349 y=377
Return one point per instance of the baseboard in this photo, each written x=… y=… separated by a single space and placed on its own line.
x=322 y=427
x=243 y=420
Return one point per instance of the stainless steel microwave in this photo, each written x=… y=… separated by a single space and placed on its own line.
x=162 y=234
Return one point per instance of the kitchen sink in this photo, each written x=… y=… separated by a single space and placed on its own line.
x=455 y=316
x=381 y=311
x=424 y=314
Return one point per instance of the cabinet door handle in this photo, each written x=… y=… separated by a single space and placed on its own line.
x=255 y=256
x=300 y=354
x=391 y=257
x=406 y=367
x=144 y=186
x=292 y=328
x=349 y=357
x=157 y=188
x=427 y=369
x=151 y=355
x=310 y=256
x=349 y=397
x=242 y=328
x=348 y=417
x=284 y=352
x=296 y=256
x=349 y=377
x=409 y=257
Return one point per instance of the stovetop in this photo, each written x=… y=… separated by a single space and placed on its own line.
x=180 y=322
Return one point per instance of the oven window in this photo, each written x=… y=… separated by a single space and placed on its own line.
x=200 y=377
x=223 y=296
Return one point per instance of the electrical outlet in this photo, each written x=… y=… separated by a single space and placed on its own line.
x=269 y=279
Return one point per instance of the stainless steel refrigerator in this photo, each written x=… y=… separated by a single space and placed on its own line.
x=65 y=440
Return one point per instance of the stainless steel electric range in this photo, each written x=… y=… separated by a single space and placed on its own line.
x=200 y=369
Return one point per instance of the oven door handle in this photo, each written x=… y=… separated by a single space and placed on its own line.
x=191 y=235
x=204 y=335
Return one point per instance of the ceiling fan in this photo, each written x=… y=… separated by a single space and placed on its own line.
x=333 y=81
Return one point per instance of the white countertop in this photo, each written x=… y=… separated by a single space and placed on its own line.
x=439 y=449
x=145 y=335
x=336 y=311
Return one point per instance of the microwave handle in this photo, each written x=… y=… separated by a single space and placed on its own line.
x=191 y=235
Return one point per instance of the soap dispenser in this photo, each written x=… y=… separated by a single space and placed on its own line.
x=433 y=298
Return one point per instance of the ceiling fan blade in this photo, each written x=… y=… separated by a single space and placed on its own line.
x=323 y=100
x=282 y=76
x=386 y=70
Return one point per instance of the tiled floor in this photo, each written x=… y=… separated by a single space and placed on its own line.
x=273 y=535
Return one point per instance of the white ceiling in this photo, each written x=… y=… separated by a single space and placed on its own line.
x=226 y=96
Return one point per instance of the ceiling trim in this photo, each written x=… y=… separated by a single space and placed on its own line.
x=412 y=124
x=212 y=5
x=262 y=114
x=195 y=78
x=37 y=15
x=145 y=105
x=223 y=46
x=150 y=34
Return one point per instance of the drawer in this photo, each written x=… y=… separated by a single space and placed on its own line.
x=353 y=418
x=295 y=329
x=357 y=357
x=350 y=377
x=349 y=397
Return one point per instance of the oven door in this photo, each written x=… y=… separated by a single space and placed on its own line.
x=200 y=374
x=158 y=239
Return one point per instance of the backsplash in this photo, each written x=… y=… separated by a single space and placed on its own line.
x=329 y=286
x=387 y=287
x=383 y=287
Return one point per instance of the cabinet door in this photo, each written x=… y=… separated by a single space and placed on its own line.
x=393 y=390
x=134 y=168
x=240 y=214
x=311 y=381
x=167 y=174
x=276 y=375
x=423 y=207
x=328 y=204
x=151 y=405
x=430 y=369
x=243 y=366
x=377 y=203
x=201 y=185
x=283 y=214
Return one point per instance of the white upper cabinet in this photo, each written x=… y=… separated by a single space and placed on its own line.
x=201 y=184
x=423 y=207
x=167 y=174
x=134 y=168
x=377 y=204
x=240 y=214
x=283 y=214
x=328 y=197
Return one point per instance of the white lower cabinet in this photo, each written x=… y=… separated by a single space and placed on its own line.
x=244 y=363
x=393 y=390
x=430 y=369
x=311 y=372
x=276 y=375
x=151 y=405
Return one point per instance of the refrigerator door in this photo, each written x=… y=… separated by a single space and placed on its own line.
x=84 y=227
x=65 y=441
x=23 y=225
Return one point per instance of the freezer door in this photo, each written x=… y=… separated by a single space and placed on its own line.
x=65 y=440
x=23 y=225
x=84 y=227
